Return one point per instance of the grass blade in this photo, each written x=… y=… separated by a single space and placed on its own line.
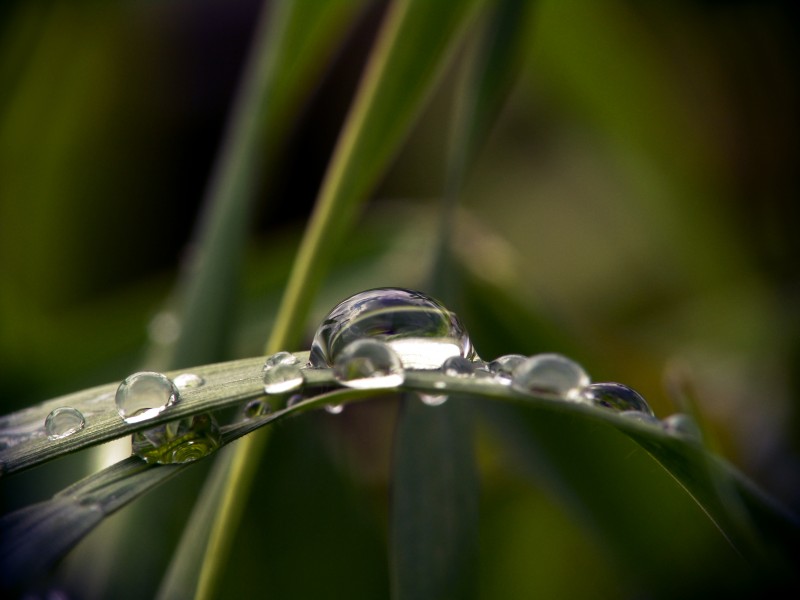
x=434 y=512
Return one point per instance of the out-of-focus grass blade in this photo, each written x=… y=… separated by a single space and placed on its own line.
x=434 y=512
x=291 y=47
x=35 y=537
x=669 y=529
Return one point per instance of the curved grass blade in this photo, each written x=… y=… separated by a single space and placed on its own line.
x=25 y=442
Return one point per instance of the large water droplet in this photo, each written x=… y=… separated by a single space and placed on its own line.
x=334 y=409
x=550 y=376
x=418 y=328
x=282 y=373
x=63 y=422
x=368 y=364
x=188 y=380
x=616 y=397
x=180 y=441
x=144 y=395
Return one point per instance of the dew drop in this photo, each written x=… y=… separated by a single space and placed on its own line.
x=433 y=400
x=144 y=395
x=282 y=373
x=368 y=364
x=682 y=425
x=458 y=366
x=334 y=409
x=550 y=376
x=294 y=400
x=256 y=408
x=63 y=422
x=616 y=397
x=503 y=366
x=181 y=441
x=419 y=329
x=188 y=380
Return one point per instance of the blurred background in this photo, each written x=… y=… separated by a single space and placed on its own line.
x=635 y=207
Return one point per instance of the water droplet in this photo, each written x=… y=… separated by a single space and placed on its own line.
x=550 y=376
x=682 y=425
x=188 y=380
x=368 y=364
x=180 y=441
x=63 y=422
x=616 y=397
x=280 y=358
x=294 y=399
x=334 y=409
x=503 y=366
x=419 y=329
x=458 y=366
x=144 y=395
x=256 y=408
x=433 y=400
x=282 y=373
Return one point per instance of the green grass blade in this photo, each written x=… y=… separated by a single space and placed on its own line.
x=434 y=511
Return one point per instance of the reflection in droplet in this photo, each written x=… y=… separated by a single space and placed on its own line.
x=63 y=422
x=188 y=380
x=550 y=376
x=282 y=373
x=144 y=395
x=458 y=366
x=503 y=366
x=682 y=425
x=616 y=397
x=368 y=364
x=419 y=329
x=643 y=417
x=334 y=409
x=180 y=441
x=433 y=400
x=256 y=408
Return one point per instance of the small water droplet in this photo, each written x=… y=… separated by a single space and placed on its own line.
x=503 y=366
x=458 y=366
x=616 y=397
x=419 y=329
x=63 y=422
x=334 y=409
x=433 y=400
x=280 y=358
x=256 y=408
x=144 y=395
x=550 y=376
x=682 y=425
x=368 y=364
x=294 y=400
x=282 y=373
x=188 y=380
x=180 y=441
